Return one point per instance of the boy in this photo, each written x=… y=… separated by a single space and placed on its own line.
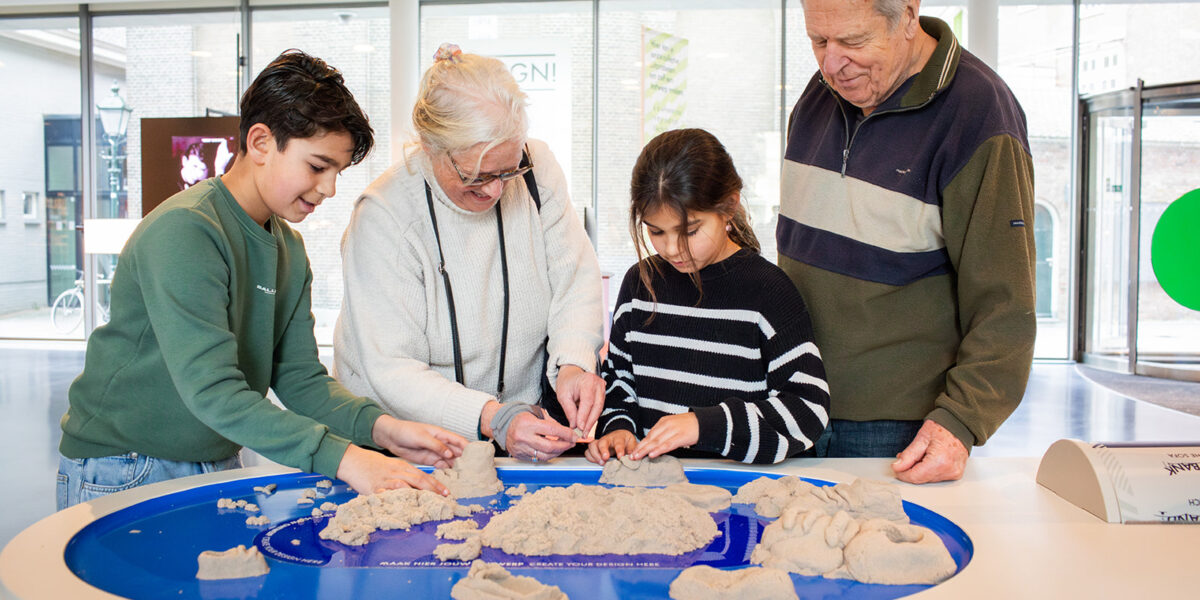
x=211 y=307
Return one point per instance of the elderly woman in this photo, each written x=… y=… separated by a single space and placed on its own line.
x=470 y=283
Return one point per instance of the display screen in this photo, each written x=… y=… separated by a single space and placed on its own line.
x=201 y=157
x=178 y=153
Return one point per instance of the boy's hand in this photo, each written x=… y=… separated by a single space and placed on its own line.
x=418 y=442
x=669 y=433
x=614 y=444
x=581 y=395
x=369 y=472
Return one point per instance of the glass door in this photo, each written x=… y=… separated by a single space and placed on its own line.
x=1141 y=303
x=1168 y=331
x=1108 y=201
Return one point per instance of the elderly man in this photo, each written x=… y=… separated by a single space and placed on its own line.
x=906 y=221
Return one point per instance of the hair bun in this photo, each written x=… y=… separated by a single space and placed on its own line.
x=448 y=51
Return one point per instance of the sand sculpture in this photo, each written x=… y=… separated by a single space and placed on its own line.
x=234 y=563
x=458 y=530
x=664 y=470
x=391 y=509
x=588 y=519
x=488 y=581
x=861 y=497
x=753 y=583
x=856 y=531
x=469 y=549
x=708 y=497
x=473 y=474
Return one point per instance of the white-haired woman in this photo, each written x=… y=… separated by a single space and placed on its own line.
x=470 y=283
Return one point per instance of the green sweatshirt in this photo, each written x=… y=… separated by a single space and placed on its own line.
x=209 y=310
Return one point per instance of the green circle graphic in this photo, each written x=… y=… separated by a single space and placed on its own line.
x=1175 y=250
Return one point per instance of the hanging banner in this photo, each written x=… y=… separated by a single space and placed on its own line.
x=664 y=82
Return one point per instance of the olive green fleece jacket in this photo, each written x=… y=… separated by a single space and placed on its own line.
x=209 y=310
x=909 y=233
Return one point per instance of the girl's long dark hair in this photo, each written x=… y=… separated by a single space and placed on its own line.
x=685 y=170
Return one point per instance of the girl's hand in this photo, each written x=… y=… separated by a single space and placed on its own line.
x=581 y=395
x=418 y=442
x=369 y=472
x=669 y=433
x=615 y=444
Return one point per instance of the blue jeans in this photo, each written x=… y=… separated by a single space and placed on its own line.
x=858 y=439
x=84 y=479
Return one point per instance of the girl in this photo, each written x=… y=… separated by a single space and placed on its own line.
x=711 y=345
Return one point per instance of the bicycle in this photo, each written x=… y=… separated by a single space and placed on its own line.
x=66 y=313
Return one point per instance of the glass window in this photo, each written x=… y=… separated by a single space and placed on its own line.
x=953 y=13
x=1135 y=31
x=41 y=57
x=166 y=65
x=356 y=42
x=548 y=48
x=30 y=201
x=1034 y=59
x=671 y=64
x=176 y=65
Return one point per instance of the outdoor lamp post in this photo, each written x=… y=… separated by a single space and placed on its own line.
x=114 y=118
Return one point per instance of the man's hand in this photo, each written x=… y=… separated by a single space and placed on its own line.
x=934 y=455
x=418 y=442
x=616 y=444
x=532 y=438
x=369 y=472
x=581 y=395
x=669 y=433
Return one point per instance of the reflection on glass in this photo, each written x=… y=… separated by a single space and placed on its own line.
x=176 y=65
x=354 y=40
x=1167 y=330
x=547 y=46
x=729 y=84
x=1108 y=231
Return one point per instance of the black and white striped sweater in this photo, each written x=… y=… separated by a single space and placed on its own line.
x=742 y=359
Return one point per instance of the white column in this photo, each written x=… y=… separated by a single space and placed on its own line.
x=983 y=30
x=405 y=16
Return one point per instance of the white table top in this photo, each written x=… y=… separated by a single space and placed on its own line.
x=1029 y=543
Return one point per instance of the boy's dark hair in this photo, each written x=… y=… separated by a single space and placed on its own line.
x=685 y=170
x=301 y=96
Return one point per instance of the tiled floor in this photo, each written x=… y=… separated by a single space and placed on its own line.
x=33 y=382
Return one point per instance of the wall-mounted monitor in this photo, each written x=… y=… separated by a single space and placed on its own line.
x=178 y=153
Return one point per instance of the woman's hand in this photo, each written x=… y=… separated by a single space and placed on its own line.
x=615 y=444
x=535 y=438
x=418 y=442
x=581 y=395
x=369 y=472
x=669 y=433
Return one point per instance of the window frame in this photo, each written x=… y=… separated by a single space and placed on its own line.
x=31 y=213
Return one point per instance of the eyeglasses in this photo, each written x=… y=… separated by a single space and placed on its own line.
x=486 y=178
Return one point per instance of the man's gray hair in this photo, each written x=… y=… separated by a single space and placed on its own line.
x=888 y=9
x=891 y=10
